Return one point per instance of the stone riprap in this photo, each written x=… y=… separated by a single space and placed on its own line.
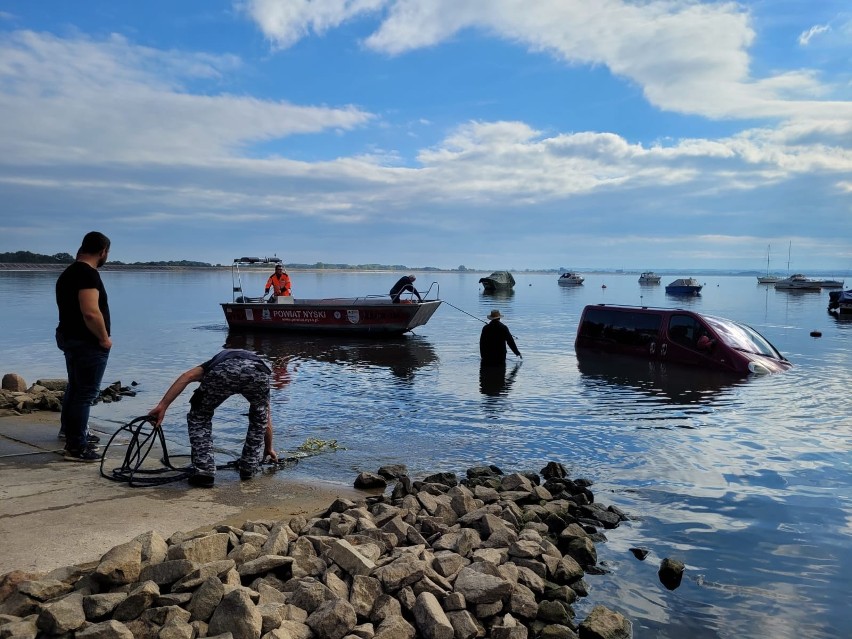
x=494 y=555
x=46 y=394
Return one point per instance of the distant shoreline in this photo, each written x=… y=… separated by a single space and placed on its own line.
x=11 y=266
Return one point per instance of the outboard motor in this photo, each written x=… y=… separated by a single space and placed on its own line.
x=834 y=299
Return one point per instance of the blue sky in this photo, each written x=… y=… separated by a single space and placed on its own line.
x=491 y=134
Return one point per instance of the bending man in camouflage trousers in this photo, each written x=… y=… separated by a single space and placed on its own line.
x=229 y=372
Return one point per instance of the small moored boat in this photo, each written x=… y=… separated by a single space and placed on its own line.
x=649 y=277
x=840 y=303
x=498 y=281
x=797 y=282
x=769 y=278
x=684 y=286
x=374 y=315
x=571 y=279
x=830 y=283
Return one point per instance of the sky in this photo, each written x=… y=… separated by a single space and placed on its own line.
x=645 y=134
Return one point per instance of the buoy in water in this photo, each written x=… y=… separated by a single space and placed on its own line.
x=816 y=333
x=603 y=285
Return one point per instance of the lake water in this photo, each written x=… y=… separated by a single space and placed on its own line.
x=747 y=481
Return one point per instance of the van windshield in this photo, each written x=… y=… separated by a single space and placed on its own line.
x=742 y=337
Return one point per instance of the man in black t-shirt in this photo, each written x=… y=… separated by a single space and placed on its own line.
x=83 y=335
x=230 y=372
x=493 y=340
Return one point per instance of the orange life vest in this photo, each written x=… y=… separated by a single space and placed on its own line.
x=280 y=284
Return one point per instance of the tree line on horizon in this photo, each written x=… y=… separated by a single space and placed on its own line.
x=28 y=257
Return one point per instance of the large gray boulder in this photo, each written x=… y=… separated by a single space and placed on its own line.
x=333 y=619
x=237 y=615
x=14 y=382
x=120 y=565
x=62 y=615
x=432 y=622
x=109 y=629
x=603 y=623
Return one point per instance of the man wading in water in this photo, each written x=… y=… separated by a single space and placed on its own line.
x=493 y=340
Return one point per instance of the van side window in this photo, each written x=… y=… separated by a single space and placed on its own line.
x=684 y=330
x=619 y=327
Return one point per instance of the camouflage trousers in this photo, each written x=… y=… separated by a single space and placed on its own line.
x=231 y=377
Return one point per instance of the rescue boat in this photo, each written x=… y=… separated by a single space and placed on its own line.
x=367 y=315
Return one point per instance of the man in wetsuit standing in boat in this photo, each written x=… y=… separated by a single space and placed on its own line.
x=405 y=283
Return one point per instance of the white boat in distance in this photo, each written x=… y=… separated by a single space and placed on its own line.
x=571 y=279
x=830 y=283
x=797 y=282
x=649 y=277
x=769 y=278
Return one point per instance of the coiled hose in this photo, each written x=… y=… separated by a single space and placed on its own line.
x=143 y=435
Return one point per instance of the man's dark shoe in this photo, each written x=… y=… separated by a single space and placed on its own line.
x=246 y=474
x=200 y=480
x=88 y=455
x=92 y=439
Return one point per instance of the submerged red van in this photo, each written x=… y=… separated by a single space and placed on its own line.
x=679 y=336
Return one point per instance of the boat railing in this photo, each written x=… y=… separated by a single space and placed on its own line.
x=239 y=298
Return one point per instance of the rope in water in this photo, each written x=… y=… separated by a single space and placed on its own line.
x=461 y=310
x=465 y=312
x=143 y=436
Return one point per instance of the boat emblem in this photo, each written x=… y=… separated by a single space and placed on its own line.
x=266 y=314
x=336 y=314
x=249 y=315
x=353 y=316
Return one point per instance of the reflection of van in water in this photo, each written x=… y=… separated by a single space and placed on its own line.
x=675 y=335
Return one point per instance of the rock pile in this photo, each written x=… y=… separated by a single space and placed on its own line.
x=46 y=394
x=500 y=556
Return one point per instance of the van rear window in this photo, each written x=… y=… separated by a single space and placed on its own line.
x=620 y=327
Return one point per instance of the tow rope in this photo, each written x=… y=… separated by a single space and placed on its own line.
x=144 y=435
x=478 y=319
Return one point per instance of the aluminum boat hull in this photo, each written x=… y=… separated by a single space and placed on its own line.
x=336 y=316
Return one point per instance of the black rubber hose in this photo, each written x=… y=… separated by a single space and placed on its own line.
x=143 y=435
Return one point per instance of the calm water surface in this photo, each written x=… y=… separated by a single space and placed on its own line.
x=747 y=481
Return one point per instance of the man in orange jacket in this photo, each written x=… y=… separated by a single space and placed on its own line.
x=279 y=282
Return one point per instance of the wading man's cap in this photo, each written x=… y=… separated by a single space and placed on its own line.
x=495 y=314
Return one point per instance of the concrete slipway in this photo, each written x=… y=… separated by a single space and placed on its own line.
x=57 y=513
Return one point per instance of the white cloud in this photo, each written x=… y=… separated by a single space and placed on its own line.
x=285 y=22
x=91 y=101
x=806 y=36
x=108 y=128
x=687 y=57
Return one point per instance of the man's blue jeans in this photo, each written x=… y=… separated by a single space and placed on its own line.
x=85 y=363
